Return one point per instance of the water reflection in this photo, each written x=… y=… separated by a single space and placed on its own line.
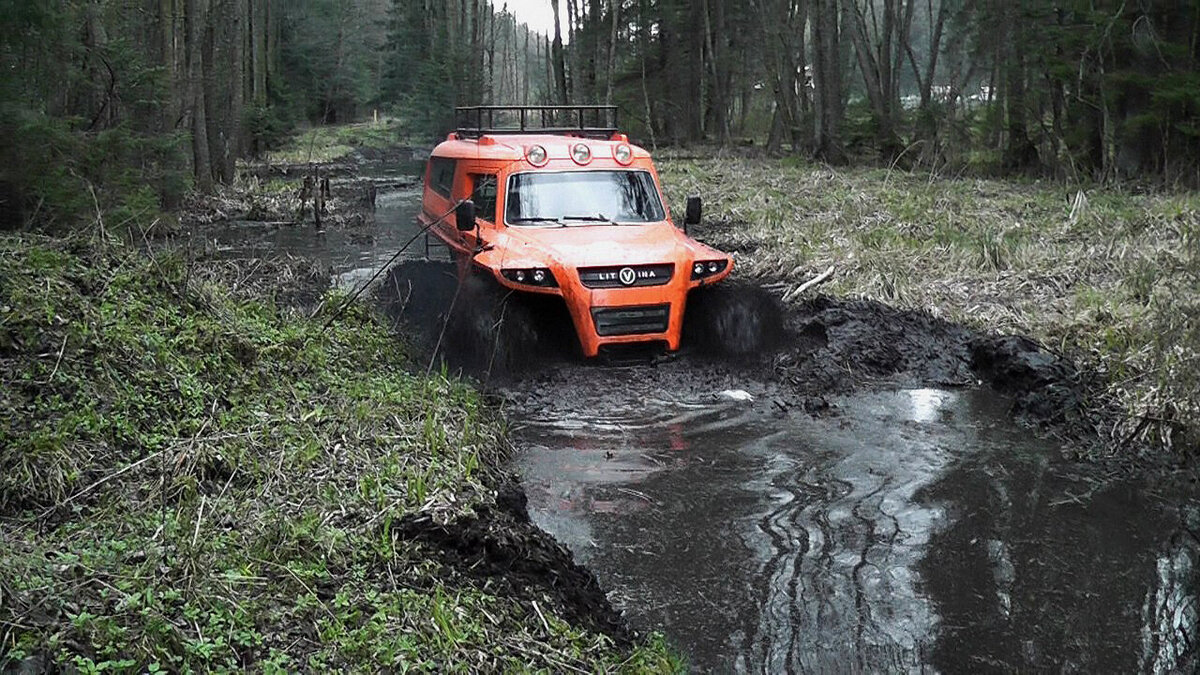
x=926 y=404
x=1171 y=614
x=910 y=530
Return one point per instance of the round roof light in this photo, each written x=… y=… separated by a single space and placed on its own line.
x=581 y=153
x=623 y=154
x=536 y=155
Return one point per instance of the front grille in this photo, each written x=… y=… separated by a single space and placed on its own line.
x=631 y=320
x=641 y=275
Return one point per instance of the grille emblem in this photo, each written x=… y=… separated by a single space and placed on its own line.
x=627 y=276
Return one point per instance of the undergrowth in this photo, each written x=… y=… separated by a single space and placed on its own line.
x=55 y=176
x=191 y=479
x=1106 y=276
x=334 y=142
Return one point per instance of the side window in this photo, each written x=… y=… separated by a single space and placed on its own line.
x=484 y=195
x=441 y=175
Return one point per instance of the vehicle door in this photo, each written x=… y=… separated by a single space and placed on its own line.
x=438 y=201
x=484 y=187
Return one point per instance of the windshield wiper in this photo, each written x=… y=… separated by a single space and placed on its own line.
x=598 y=218
x=533 y=219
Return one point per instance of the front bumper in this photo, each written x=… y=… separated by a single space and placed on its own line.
x=651 y=309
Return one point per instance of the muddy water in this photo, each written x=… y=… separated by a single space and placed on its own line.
x=899 y=530
x=352 y=254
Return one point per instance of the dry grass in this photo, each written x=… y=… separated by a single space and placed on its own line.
x=278 y=201
x=1109 y=277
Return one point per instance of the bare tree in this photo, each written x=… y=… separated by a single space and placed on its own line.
x=828 y=104
x=558 y=59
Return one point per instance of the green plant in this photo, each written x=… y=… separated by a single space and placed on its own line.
x=194 y=479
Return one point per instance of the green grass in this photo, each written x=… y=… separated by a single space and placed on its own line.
x=332 y=143
x=1113 y=282
x=193 y=480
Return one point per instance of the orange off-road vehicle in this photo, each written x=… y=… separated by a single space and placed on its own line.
x=555 y=201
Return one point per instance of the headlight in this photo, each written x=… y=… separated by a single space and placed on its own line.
x=581 y=153
x=623 y=154
x=536 y=155
x=702 y=269
x=535 y=276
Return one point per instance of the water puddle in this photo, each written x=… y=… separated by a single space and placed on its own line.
x=904 y=530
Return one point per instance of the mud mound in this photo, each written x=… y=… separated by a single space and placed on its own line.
x=502 y=547
x=1047 y=387
x=836 y=346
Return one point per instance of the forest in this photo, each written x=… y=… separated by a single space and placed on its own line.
x=155 y=97
x=231 y=437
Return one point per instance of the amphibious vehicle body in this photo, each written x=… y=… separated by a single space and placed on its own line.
x=555 y=201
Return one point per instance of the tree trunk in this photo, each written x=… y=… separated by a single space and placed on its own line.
x=560 y=65
x=1019 y=153
x=614 y=9
x=236 y=145
x=877 y=70
x=827 y=76
x=195 y=18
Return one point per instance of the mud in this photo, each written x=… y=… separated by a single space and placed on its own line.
x=502 y=549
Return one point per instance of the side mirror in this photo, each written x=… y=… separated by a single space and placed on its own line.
x=692 y=217
x=464 y=216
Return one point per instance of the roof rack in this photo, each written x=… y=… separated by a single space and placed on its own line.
x=590 y=121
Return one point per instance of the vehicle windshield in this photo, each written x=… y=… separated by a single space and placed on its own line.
x=582 y=197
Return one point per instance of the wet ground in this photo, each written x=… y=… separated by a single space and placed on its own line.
x=906 y=523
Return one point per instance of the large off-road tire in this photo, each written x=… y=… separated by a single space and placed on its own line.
x=490 y=330
x=733 y=320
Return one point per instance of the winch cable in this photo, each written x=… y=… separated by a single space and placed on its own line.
x=359 y=291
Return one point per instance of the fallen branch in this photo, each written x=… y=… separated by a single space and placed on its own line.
x=815 y=281
x=111 y=476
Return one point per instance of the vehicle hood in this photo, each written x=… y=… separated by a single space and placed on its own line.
x=597 y=245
